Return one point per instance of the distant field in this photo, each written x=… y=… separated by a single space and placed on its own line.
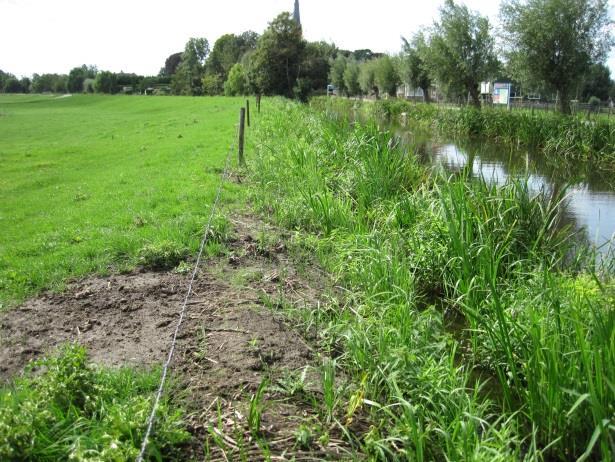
x=88 y=181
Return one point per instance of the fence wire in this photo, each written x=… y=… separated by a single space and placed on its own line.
x=165 y=368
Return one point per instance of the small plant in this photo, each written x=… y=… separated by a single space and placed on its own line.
x=183 y=268
x=257 y=405
x=328 y=388
x=254 y=344
x=304 y=437
x=220 y=230
x=292 y=383
x=162 y=255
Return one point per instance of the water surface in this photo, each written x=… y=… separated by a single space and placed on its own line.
x=590 y=204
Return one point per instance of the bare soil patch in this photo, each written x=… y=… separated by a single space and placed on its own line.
x=230 y=341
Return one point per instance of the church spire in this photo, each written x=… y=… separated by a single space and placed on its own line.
x=296 y=14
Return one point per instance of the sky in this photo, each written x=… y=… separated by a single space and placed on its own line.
x=53 y=36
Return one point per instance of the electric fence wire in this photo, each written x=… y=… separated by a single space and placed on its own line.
x=165 y=368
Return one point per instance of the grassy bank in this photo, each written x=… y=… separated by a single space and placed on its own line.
x=468 y=332
x=564 y=137
x=93 y=184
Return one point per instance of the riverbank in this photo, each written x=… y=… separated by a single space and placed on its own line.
x=568 y=138
x=465 y=328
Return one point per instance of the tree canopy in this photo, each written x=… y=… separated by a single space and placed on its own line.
x=279 y=53
x=336 y=74
x=77 y=76
x=188 y=77
x=462 y=51
x=386 y=76
x=555 y=41
x=596 y=82
x=414 y=69
x=228 y=51
x=171 y=64
x=351 y=77
x=237 y=82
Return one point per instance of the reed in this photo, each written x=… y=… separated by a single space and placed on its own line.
x=526 y=371
x=565 y=137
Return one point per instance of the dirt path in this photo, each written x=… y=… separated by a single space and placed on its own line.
x=229 y=343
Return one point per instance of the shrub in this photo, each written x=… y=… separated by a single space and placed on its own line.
x=75 y=411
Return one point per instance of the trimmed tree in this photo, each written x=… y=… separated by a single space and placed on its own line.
x=555 y=41
x=386 y=76
x=462 y=51
x=336 y=74
x=367 y=78
x=351 y=77
x=414 y=69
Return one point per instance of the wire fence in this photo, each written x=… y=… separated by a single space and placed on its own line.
x=165 y=368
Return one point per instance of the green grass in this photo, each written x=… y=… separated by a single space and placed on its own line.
x=75 y=411
x=96 y=184
x=467 y=329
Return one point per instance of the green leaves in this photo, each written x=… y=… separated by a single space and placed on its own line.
x=462 y=51
x=553 y=42
x=73 y=410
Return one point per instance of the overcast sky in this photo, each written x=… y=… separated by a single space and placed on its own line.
x=137 y=35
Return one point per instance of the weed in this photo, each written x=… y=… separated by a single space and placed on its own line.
x=292 y=383
x=162 y=255
x=329 y=391
x=71 y=410
x=304 y=436
x=257 y=405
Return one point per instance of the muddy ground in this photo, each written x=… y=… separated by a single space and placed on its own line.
x=229 y=342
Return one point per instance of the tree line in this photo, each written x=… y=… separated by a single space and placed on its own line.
x=546 y=46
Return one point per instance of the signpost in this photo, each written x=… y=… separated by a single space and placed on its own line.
x=501 y=93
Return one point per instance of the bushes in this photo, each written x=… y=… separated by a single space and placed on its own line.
x=75 y=411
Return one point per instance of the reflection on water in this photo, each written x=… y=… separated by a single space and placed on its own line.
x=591 y=193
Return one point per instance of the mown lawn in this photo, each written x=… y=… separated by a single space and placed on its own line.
x=88 y=182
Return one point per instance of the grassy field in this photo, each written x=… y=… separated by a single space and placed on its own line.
x=99 y=184
x=93 y=184
x=460 y=326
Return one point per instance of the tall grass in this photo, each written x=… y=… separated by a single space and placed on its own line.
x=525 y=372
x=567 y=137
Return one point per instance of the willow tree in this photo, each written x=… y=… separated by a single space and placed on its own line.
x=555 y=41
x=414 y=70
x=462 y=51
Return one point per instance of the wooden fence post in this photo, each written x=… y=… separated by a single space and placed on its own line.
x=258 y=103
x=248 y=111
x=242 y=118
